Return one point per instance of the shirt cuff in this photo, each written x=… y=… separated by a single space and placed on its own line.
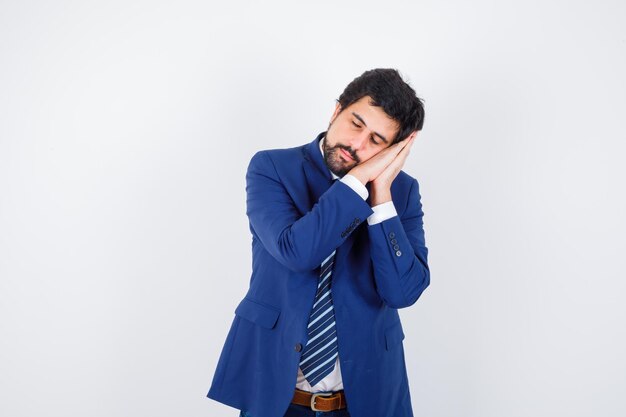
x=382 y=212
x=356 y=185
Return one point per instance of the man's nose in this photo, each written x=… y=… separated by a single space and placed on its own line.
x=359 y=140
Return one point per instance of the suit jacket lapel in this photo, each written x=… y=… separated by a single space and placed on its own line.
x=319 y=180
x=317 y=174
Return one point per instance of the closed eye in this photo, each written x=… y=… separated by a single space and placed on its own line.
x=371 y=137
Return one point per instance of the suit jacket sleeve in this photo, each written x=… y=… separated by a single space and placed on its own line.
x=399 y=254
x=299 y=242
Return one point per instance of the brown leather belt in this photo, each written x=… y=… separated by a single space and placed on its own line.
x=320 y=401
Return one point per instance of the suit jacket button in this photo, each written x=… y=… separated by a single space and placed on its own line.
x=392 y=235
x=396 y=247
x=298 y=347
x=398 y=253
x=394 y=241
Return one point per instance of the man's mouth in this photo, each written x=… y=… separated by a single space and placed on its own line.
x=346 y=154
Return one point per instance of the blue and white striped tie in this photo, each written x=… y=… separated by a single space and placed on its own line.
x=320 y=352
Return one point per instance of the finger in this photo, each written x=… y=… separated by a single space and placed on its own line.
x=396 y=165
x=410 y=136
x=404 y=154
x=404 y=147
x=408 y=143
x=390 y=153
x=406 y=150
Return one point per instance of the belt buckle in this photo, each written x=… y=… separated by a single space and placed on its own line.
x=318 y=394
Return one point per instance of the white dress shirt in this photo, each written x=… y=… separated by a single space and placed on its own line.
x=384 y=211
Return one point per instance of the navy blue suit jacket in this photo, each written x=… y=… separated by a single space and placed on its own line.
x=298 y=216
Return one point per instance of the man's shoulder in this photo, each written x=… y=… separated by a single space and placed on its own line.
x=279 y=155
x=404 y=179
x=405 y=190
x=283 y=152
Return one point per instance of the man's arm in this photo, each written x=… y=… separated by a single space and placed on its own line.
x=397 y=248
x=399 y=254
x=299 y=242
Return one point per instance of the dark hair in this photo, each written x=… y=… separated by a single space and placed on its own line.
x=388 y=90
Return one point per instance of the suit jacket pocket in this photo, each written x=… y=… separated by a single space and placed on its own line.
x=393 y=335
x=261 y=314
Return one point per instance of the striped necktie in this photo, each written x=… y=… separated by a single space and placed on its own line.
x=320 y=352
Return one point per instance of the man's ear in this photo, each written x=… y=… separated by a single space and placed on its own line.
x=337 y=111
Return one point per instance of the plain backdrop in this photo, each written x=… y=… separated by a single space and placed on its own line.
x=125 y=131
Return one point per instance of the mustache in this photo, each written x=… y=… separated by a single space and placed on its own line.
x=347 y=149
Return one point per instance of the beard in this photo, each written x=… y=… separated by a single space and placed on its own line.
x=334 y=159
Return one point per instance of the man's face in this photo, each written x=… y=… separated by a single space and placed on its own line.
x=356 y=134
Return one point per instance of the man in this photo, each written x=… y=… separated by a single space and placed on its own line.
x=318 y=332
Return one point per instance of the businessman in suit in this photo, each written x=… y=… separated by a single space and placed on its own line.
x=337 y=248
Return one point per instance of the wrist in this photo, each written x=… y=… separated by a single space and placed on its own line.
x=379 y=195
x=359 y=175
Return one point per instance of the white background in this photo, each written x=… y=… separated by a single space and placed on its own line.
x=125 y=131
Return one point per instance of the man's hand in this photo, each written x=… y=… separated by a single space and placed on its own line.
x=381 y=186
x=385 y=178
x=382 y=169
x=371 y=169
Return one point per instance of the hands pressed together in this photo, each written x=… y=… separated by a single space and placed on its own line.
x=382 y=169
